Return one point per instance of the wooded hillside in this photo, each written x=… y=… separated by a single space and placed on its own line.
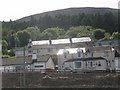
x=98 y=23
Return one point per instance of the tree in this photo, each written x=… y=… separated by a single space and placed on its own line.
x=4 y=47
x=23 y=37
x=34 y=32
x=53 y=33
x=116 y=35
x=99 y=33
x=107 y=36
x=79 y=31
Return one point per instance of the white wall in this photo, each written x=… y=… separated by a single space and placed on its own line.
x=62 y=59
x=103 y=65
x=50 y=64
x=38 y=65
x=117 y=63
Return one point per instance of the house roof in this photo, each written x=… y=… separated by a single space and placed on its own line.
x=20 y=60
x=70 y=50
x=43 y=58
x=85 y=59
x=16 y=61
x=62 y=41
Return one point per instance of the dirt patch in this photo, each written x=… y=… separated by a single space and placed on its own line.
x=36 y=79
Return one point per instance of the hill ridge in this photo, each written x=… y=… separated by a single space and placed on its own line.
x=70 y=11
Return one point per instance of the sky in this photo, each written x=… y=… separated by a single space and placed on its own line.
x=16 y=9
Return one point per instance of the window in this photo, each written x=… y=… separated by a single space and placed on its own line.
x=49 y=49
x=78 y=64
x=65 y=55
x=99 y=64
x=79 y=54
x=38 y=66
x=91 y=64
x=29 y=51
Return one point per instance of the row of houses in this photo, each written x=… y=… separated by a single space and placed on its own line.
x=26 y=63
x=76 y=54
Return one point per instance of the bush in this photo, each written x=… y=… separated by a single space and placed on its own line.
x=11 y=52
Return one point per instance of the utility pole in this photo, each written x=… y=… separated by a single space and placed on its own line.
x=24 y=76
x=22 y=72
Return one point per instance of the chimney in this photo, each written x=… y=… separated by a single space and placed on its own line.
x=50 y=41
x=70 y=40
x=30 y=43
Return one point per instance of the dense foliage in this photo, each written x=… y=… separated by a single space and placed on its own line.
x=97 y=26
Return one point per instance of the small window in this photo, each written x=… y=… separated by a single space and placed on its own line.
x=79 y=54
x=78 y=64
x=91 y=64
x=99 y=64
x=38 y=66
x=29 y=51
x=65 y=55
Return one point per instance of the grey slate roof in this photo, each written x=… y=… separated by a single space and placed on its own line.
x=85 y=59
x=16 y=61
x=20 y=60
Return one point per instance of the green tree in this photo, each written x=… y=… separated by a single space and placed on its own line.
x=79 y=31
x=4 y=47
x=116 y=35
x=34 y=32
x=99 y=33
x=107 y=36
x=53 y=33
x=23 y=37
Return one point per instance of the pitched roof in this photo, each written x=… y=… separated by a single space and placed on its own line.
x=85 y=59
x=20 y=60
x=16 y=61
x=43 y=58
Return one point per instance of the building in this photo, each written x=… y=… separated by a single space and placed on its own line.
x=43 y=62
x=51 y=47
x=17 y=64
x=117 y=61
x=85 y=57
x=86 y=64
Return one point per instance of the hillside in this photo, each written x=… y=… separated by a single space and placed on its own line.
x=71 y=11
x=61 y=24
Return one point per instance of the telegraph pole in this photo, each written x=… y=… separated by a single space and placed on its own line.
x=24 y=76
x=22 y=72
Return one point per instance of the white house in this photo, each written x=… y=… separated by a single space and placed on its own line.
x=66 y=54
x=69 y=58
x=17 y=64
x=86 y=64
x=43 y=62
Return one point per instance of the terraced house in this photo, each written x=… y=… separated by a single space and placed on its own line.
x=100 y=58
